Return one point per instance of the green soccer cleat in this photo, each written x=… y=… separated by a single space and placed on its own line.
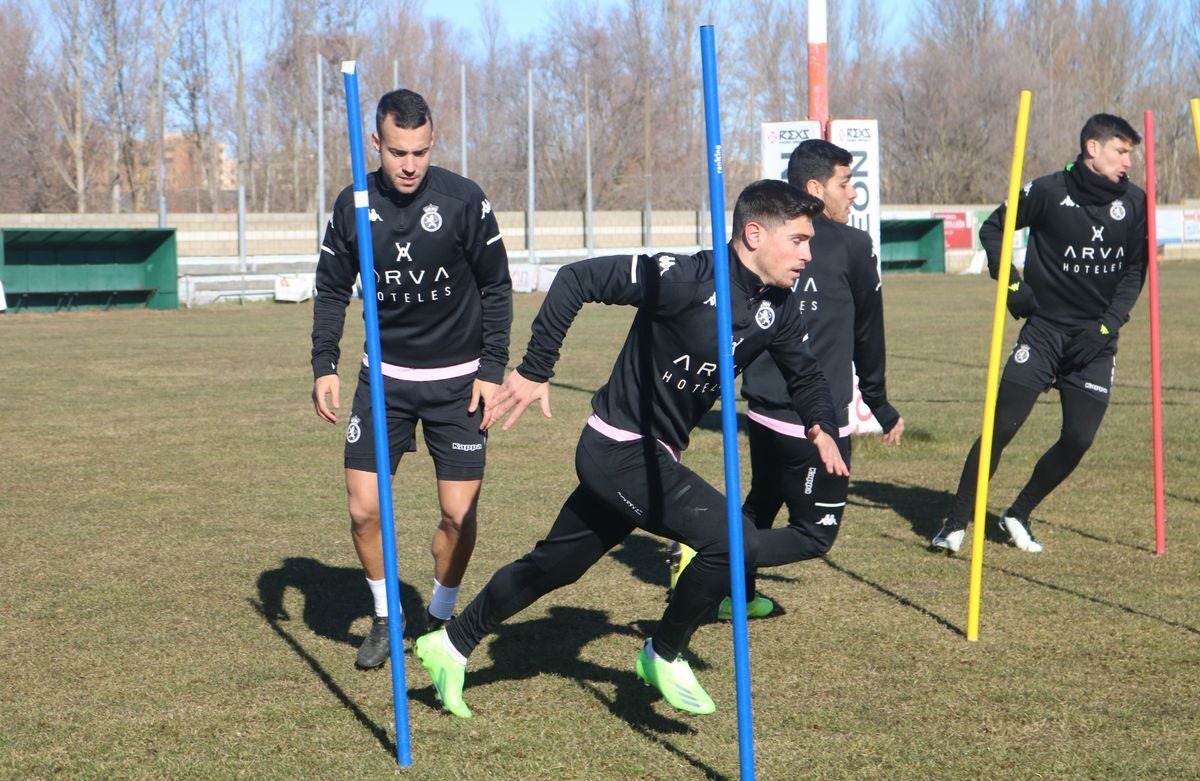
x=675 y=681
x=681 y=556
x=759 y=607
x=448 y=673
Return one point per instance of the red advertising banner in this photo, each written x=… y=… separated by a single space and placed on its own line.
x=957 y=228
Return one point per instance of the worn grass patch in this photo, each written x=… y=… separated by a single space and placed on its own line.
x=179 y=597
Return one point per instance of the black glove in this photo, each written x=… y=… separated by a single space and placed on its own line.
x=1021 y=301
x=1086 y=345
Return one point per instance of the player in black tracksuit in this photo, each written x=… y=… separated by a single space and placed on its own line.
x=663 y=381
x=1084 y=267
x=840 y=295
x=445 y=305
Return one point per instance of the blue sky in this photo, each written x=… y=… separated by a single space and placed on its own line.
x=525 y=18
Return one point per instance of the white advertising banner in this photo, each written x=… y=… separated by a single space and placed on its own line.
x=860 y=137
x=778 y=141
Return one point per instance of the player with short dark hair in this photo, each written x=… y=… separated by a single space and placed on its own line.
x=445 y=307
x=1084 y=267
x=840 y=296
x=627 y=459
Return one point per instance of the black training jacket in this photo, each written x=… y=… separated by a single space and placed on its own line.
x=1084 y=263
x=441 y=274
x=841 y=297
x=665 y=377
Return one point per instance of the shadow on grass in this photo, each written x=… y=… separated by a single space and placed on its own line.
x=905 y=601
x=1092 y=536
x=554 y=645
x=334 y=598
x=379 y=732
x=923 y=508
x=1097 y=600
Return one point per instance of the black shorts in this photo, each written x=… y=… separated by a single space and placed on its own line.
x=452 y=435
x=1035 y=362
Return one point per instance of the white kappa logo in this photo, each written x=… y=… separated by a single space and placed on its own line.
x=354 y=430
x=431 y=220
x=484 y=208
x=765 y=316
x=374 y=217
x=828 y=520
x=664 y=264
x=1117 y=210
x=1021 y=354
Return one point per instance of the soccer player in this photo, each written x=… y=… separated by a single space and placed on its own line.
x=627 y=460
x=1084 y=268
x=445 y=307
x=840 y=295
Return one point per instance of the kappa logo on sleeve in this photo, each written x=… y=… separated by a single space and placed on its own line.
x=665 y=262
x=485 y=208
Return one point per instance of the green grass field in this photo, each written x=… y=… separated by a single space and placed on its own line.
x=179 y=597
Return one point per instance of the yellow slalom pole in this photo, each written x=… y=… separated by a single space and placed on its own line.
x=993 y=376
x=1195 y=103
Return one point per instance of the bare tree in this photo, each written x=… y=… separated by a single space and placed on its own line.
x=70 y=98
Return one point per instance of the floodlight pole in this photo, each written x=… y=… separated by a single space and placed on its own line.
x=1160 y=530
x=733 y=490
x=321 y=216
x=383 y=470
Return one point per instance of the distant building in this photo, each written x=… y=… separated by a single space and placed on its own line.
x=185 y=171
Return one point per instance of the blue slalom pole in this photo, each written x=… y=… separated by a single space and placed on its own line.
x=733 y=488
x=383 y=466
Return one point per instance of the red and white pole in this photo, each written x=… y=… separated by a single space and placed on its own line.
x=1160 y=532
x=818 y=67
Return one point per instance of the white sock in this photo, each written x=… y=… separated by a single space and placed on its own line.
x=379 y=594
x=442 y=601
x=650 y=649
x=455 y=654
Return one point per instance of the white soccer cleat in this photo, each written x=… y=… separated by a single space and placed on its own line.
x=1020 y=535
x=949 y=540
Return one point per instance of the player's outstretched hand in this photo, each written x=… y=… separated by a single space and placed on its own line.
x=326 y=386
x=828 y=449
x=514 y=396
x=893 y=436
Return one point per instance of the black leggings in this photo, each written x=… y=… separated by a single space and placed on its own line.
x=623 y=486
x=788 y=470
x=1081 y=417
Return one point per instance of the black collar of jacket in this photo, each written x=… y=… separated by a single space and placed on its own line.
x=384 y=187
x=1088 y=188
x=746 y=281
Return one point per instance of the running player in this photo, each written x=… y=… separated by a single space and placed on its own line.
x=627 y=459
x=1084 y=268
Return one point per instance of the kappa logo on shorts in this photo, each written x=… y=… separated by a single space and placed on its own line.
x=828 y=520
x=765 y=316
x=1094 y=387
x=431 y=220
x=470 y=448
x=1021 y=354
x=354 y=430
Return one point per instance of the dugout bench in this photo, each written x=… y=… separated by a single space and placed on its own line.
x=57 y=269
x=912 y=245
